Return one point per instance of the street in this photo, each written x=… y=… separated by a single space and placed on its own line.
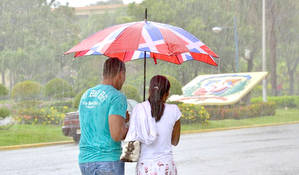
x=265 y=151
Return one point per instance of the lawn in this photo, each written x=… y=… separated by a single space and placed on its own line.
x=28 y=134
x=281 y=116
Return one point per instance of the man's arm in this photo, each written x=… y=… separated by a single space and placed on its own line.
x=117 y=126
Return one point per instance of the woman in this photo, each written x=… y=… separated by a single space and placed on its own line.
x=157 y=126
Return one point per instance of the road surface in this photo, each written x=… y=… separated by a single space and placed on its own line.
x=254 y=151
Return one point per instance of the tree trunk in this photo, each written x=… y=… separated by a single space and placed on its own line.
x=10 y=80
x=273 y=64
x=3 y=77
x=291 y=82
x=183 y=77
x=273 y=44
x=249 y=65
x=292 y=66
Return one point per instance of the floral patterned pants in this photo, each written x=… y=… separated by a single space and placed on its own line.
x=158 y=167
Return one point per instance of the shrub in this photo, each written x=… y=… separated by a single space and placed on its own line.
x=3 y=91
x=39 y=116
x=241 y=112
x=175 y=86
x=58 y=88
x=29 y=103
x=131 y=92
x=26 y=90
x=77 y=99
x=68 y=103
x=280 y=101
x=61 y=106
x=4 y=112
x=193 y=114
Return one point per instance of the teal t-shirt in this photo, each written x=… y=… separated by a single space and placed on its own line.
x=96 y=105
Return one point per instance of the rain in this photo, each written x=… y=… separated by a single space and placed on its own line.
x=231 y=124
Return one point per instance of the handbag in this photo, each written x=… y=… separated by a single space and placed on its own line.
x=130 y=151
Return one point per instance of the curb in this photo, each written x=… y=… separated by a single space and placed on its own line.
x=14 y=147
x=239 y=127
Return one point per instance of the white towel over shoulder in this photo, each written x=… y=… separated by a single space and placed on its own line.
x=143 y=126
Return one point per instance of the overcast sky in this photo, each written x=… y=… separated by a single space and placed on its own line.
x=82 y=3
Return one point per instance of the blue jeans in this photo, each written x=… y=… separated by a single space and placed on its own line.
x=102 y=168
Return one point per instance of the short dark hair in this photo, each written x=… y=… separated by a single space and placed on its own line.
x=112 y=67
x=159 y=86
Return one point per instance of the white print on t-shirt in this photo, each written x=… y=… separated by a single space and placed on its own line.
x=96 y=97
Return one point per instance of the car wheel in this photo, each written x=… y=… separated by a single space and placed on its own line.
x=76 y=138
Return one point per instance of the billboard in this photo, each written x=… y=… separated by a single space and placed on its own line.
x=219 y=89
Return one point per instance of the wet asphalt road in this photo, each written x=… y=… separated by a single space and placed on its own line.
x=254 y=151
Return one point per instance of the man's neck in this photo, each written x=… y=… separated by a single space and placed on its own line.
x=109 y=82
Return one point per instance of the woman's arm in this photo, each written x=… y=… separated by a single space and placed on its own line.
x=176 y=132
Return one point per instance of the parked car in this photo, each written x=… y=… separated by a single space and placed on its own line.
x=71 y=124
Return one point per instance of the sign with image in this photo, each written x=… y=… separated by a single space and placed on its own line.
x=219 y=89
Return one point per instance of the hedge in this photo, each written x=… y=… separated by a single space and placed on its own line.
x=3 y=91
x=58 y=88
x=193 y=114
x=241 y=112
x=77 y=99
x=27 y=90
x=280 y=101
x=43 y=116
x=4 y=112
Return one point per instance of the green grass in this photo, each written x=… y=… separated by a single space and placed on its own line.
x=281 y=116
x=28 y=134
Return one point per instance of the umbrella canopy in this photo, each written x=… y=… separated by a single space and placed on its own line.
x=142 y=39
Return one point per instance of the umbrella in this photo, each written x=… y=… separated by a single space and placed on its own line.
x=145 y=39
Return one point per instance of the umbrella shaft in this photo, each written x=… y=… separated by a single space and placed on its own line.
x=144 y=80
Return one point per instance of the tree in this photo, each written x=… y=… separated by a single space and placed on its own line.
x=288 y=44
x=33 y=34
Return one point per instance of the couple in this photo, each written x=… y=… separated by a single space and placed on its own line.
x=103 y=116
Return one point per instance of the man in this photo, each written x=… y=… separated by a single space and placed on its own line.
x=102 y=113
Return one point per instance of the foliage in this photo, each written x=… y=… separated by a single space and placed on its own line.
x=4 y=112
x=26 y=90
x=280 y=101
x=241 y=112
x=34 y=35
x=77 y=99
x=58 y=88
x=53 y=29
x=3 y=90
x=193 y=114
x=68 y=103
x=43 y=116
x=131 y=92
x=175 y=86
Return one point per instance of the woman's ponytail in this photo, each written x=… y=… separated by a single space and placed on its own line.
x=159 y=86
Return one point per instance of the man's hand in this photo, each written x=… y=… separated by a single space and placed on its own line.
x=127 y=117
